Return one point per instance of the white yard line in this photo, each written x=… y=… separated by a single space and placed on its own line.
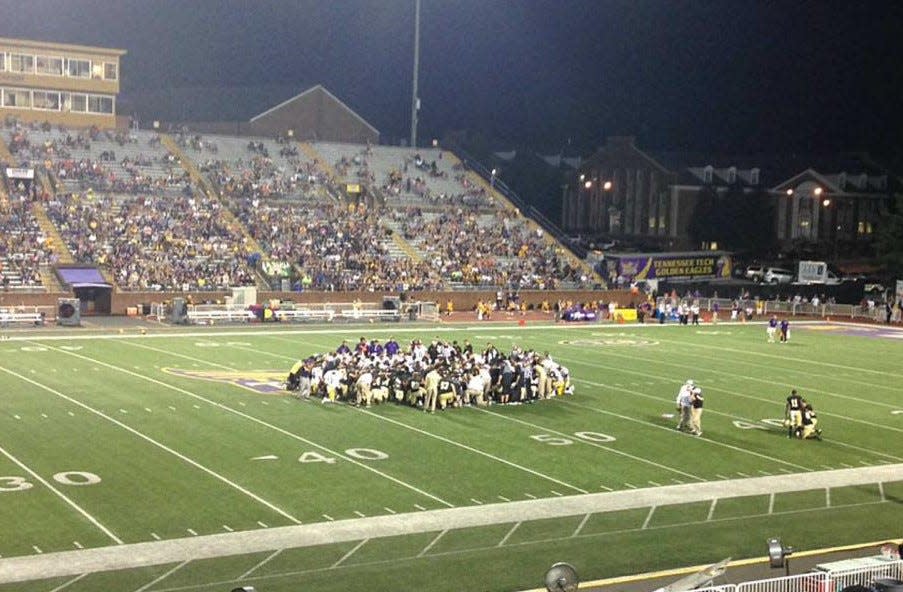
x=61 y=495
x=68 y=583
x=648 y=517
x=596 y=364
x=255 y=420
x=431 y=544
x=69 y=563
x=581 y=525
x=508 y=534
x=159 y=445
x=162 y=577
x=827 y=497
x=349 y=554
x=711 y=509
x=594 y=444
x=771 y=503
x=269 y=558
x=473 y=450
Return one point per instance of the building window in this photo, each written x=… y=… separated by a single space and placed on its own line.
x=732 y=175
x=2 y=62
x=97 y=71
x=78 y=103
x=110 y=71
x=16 y=97
x=46 y=100
x=21 y=63
x=49 y=65
x=100 y=104
x=79 y=68
x=707 y=174
x=754 y=176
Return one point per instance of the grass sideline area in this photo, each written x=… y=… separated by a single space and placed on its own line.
x=144 y=438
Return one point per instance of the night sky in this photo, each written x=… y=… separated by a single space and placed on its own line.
x=746 y=76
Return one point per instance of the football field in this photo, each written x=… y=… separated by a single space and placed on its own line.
x=173 y=461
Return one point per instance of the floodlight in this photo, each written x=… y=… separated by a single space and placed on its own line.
x=607 y=186
x=494 y=172
x=778 y=554
x=562 y=577
x=790 y=192
x=582 y=177
x=588 y=184
x=826 y=202
x=817 y=191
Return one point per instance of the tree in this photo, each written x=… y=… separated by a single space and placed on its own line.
x=889 y=242
x=735 y=219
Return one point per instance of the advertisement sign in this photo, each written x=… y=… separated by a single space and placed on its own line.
x=667 y=266
x=19 y=173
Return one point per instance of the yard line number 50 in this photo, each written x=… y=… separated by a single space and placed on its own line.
x=553 y=440
x=77 y=478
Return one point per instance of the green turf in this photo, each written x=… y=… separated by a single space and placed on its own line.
x=175 y=455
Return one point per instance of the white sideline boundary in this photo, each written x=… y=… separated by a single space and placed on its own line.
x=72 y=563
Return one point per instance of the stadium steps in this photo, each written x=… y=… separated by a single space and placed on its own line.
x=5 y=155
x=50 y=281
x=201 y=181
x=403 y=249
x=313 y=154
x=51 y=232
x=534 y=225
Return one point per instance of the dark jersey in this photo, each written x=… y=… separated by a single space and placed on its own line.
x=795 y=403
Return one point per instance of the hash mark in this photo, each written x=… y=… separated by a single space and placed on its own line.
x=606 y=488
x=17 y=417
x=265 y=402
x=847 y=465
x=227 y=528
x=197 y=406
x=36 y=549
x=722 y=477
x=764 y=472
x=678 y=481
x=242 y=403
x=192 y=532
x=44 y=415
x=123 y=411
x=555 y=493
x=156 y=536
x=827 y=467
x=655 y=484
x=328 y=517
x=78 y=545
x=360 y=514
x=530 y=496
x=262 y=524
x=148 y=409
x=419 y=507
x=742 y=474
x=171 y=407
x=389 y=510
x=71 y=414
x=630 y=485
x=503 y=498
x=865 y=462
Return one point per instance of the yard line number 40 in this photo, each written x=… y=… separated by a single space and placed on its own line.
x=77 y=478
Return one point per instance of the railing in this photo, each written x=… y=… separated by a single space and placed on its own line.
x=819 y=581
x=769 y=307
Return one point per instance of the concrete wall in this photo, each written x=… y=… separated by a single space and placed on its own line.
x=462 y=300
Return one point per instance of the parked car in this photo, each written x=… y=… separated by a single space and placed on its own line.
x=778 y=275
x=755 y=273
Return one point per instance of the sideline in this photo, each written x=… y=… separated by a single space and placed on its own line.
x=71 y=563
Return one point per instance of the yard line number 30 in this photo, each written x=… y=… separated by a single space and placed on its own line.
x=554 y=440
x=76 y=478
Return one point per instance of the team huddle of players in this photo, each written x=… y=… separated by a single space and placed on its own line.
x=441 y=374
x=800 y=419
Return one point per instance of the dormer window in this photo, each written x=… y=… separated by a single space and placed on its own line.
x=732 y=175
x=842 y=180
x=754 y=176
x=864 y=181
x=707 y=174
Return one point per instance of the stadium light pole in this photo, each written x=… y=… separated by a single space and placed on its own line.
x=415 y=100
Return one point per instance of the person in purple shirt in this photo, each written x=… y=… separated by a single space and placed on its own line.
x=392 y=347
x=785 y=330
x=343 y=349
x=376 y=349
x=772 y=328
